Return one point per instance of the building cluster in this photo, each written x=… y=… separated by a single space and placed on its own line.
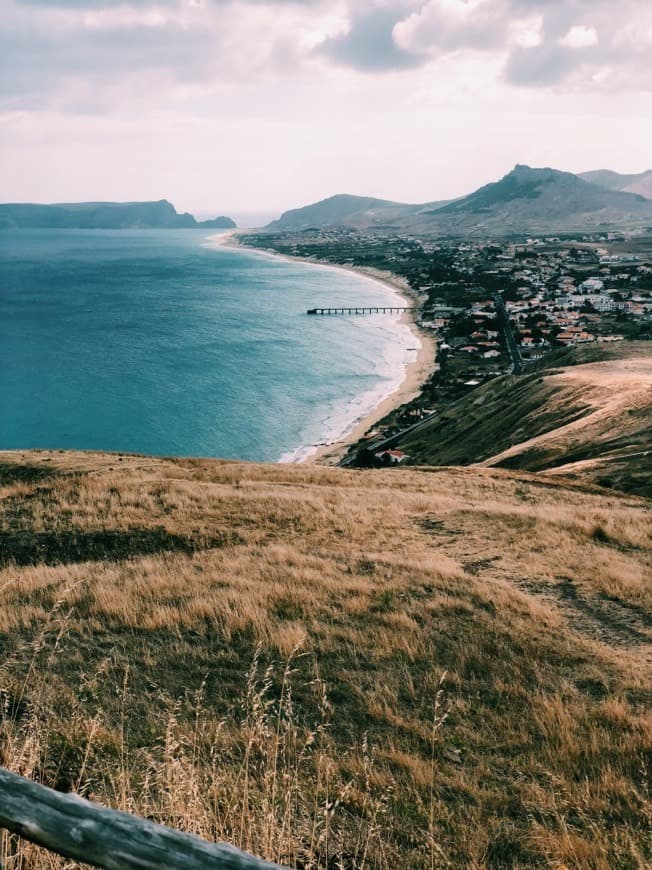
x=555 y=294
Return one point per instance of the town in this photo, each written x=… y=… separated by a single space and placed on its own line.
x=496 y=307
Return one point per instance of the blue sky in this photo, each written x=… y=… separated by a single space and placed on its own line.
x=268 y=104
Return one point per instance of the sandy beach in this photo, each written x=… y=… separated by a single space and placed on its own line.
x=415 y=373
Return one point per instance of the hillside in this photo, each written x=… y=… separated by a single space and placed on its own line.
x=525 y=201
x=587 y=411
x=102 y=215
x=640 y=182
x=344 y=210
x=413 y=668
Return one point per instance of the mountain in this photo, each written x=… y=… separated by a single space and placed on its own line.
x=640 y=182
x=345 y=210
x=525 y=201
x=100 y=215
x=536 y=200
x=340 y=210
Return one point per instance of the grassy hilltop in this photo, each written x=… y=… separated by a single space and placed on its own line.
x=443 y=667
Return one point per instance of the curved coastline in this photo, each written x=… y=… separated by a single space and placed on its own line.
x=414 y=372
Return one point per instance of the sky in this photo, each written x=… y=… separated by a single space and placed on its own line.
x=231 y=106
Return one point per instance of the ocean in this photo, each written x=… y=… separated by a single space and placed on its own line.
x=168 y=343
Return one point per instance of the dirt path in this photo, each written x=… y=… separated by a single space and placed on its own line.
x=619 y=624
x=616 y=623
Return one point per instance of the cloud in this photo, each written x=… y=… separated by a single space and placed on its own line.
x=584 y=43
x=539 y=66
x=47 y=66
x=587 y=46
x=369 y=44
x=67 y=52
x=441 y=26
x=526 y=33
x=580 y=36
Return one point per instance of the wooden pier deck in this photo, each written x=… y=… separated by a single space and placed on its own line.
x=360 y=309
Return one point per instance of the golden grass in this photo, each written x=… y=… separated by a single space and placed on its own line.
x=567 y=416
x=609 y=391
x=254 y=653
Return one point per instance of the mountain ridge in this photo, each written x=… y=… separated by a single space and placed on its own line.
x=525 y=200
x=639 y=182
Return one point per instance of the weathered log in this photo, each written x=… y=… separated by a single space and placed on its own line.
x=78 y=829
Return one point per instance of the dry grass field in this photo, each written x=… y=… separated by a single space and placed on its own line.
x=444 y=667
x=585 y=411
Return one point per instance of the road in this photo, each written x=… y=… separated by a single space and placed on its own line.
x=514 y=351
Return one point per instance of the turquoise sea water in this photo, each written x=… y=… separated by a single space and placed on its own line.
x=164 y=342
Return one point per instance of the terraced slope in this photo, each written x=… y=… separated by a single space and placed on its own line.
x=411 y=668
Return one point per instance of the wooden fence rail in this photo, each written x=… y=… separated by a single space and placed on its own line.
x=78 y=829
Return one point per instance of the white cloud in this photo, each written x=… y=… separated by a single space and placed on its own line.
x=526 y=33
x=442 y=25
x=69 y=56
x=580 y=36
x=266 y=103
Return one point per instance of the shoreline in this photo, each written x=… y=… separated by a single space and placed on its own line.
x=415 y=372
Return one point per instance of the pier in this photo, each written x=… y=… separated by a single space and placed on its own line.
x=357 y=309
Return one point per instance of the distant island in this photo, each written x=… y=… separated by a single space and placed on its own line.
x=104 y=216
